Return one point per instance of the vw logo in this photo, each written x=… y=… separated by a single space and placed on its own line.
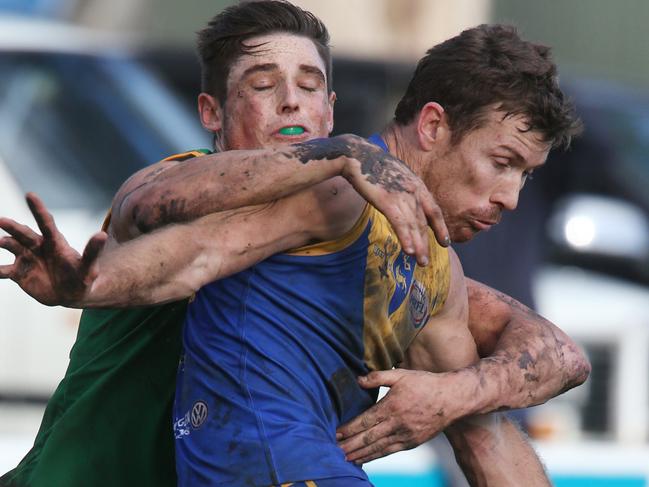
x=199 y=414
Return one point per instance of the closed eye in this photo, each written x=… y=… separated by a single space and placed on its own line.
x=525 y=177
x=502 y=161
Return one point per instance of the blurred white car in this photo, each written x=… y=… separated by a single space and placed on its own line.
x=77 y=117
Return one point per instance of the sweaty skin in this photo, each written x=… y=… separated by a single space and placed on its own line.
x=499 y=185
x=450 y=385
x=395 y=393
x=514 y=372
x=233 y=179
x=406 y=424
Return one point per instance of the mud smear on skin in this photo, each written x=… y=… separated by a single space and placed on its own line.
x=379 y=166
x=525 y=360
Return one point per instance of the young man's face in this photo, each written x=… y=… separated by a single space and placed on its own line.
x=278 y=95
x=475 y=179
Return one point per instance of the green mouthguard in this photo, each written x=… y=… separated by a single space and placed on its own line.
x=291 y=131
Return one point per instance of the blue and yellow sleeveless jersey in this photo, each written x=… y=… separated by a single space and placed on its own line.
x=271 y=355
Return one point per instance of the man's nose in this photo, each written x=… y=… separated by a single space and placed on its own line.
x=506 y=195
x=289 y=101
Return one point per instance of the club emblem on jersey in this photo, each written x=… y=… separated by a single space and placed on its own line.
x=198 y=414
x=419 y=306
x=403 y=272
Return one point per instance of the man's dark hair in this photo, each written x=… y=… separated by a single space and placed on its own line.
x=485 y=66
x=222 y=42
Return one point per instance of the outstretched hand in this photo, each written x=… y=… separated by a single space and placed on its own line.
x=412 y=412
x=46 y=267
x=399 y=194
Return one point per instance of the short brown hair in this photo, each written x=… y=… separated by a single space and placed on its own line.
x=222 y=42
x=485 y=66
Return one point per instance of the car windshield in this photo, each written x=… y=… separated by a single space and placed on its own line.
x=74 y=127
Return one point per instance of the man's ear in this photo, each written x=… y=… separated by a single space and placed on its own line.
x=210 y=112
x=432 y=126
x=330 y=116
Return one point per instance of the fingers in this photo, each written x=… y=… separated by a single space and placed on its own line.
x=93 y=248
x=411 y=227
x=7 y=271
x=377 y=413
x=377 y=433
x=12 y=245
x=380 y=378
x=22 y=233
x=413 y=238
x=363 y=439
x=381 y=447
x=397 y=214
x=360 y=424
x=420 y=228
x=404 y=235
x=43 y=218
x=436 y=221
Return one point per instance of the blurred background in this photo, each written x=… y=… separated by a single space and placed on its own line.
x=91 y=91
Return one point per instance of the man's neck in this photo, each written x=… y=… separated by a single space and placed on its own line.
x=401 y=144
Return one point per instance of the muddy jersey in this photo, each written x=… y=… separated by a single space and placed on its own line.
x=271 y=355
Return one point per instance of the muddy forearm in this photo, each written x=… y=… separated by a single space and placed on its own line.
x=215 y=183
x=173 y=262
x=524 y=372
x=151 y=269
x=539 y=361
x=527 y=360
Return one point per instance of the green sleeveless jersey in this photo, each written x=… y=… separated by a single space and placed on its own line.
x=109 y=421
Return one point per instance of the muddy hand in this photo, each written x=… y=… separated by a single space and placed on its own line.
x=46 y=267
x=409 y=414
